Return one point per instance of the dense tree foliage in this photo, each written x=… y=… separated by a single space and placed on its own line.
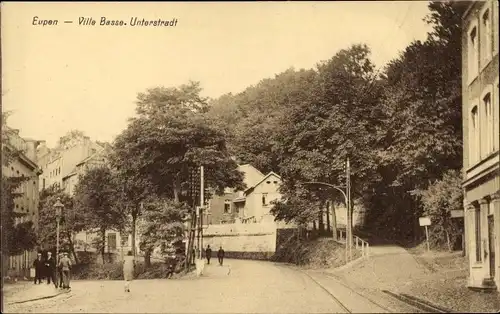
x=154 y=157
x=401 y=130
x=162 y=225
x=72 y=220
x=95 y=201
x=439 y=200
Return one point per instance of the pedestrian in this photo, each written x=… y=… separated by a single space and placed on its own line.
x=208 y=253
x=50 y=269
x=220 y=256
x=39 y=268
x=59 y=272
x=65 y=264
x=128 y=270
x=193 y=255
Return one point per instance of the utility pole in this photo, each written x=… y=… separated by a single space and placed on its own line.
x=202 y=203
x=348 y=211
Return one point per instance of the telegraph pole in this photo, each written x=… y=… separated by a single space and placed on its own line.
x=202 y=203
x=349 y=218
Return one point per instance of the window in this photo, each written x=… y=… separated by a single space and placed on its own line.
x=111 y=242
x=478 y=234
x=227 y=206
x=474 y=136
x=495 y=27
x=496 y=116
x=486 y=38
x=264 y=199
x=488 y=125
x=43 y=183
x=472 y=49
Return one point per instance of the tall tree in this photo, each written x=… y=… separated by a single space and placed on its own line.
x=170 y=136
x=261 y=110
x=69 y=136
x=337 y=120
x=72 y=222
x=95 y=198
x=163 y=225
x=422 y=123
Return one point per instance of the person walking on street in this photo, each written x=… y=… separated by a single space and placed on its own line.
x=220 y=256
x=50 y=268
x=39 y=267
x=65 y=264
x=128 y=270
x=193 y=254
x=208 y=253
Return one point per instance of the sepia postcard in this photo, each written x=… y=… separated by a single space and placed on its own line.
x=250 y=157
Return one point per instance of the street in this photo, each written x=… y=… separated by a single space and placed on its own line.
x=239 y=286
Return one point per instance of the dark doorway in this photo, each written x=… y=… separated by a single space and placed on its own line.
x=491 y=240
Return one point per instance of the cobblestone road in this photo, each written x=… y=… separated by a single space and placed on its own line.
x=251 y=287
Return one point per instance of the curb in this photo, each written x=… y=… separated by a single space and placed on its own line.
x=419 y=303
x=37 y=299
x=351 y=264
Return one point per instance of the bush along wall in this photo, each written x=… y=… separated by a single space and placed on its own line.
x=263 y=256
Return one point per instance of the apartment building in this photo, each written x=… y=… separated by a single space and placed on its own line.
x=24 y=165
x=59 y=162
x=481 y=161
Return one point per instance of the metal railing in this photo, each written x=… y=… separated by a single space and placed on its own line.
x=358 y=243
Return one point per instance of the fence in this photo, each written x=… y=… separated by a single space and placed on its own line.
x=359 y=243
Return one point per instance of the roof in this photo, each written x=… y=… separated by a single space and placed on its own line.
x=263 y=179
x=23 y=158
x=93 y=155
x=251 y=175
x=72 y=173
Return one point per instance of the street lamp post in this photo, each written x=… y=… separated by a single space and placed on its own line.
x=59 y=207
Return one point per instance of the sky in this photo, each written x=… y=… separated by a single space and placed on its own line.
x=56 y=78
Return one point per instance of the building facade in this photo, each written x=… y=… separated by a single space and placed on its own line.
x=481 y=163
x=25 y=166
x=248 y=206
x=59 y=162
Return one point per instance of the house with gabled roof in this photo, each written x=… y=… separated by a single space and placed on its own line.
x=251 y=205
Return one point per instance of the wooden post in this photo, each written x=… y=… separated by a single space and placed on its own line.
x=427 y=238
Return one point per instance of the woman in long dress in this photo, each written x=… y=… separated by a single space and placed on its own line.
x=128 y=270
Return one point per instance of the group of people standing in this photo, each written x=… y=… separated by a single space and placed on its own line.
x=220 y=255
x=49 y=269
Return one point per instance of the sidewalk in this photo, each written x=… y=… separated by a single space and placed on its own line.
x=439 y=278
x=25 y=291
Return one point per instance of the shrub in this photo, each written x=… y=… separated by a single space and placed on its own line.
x=114 y=271
x=321 y=253
x=108 y=271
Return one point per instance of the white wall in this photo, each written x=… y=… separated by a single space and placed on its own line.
x=258 y=237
